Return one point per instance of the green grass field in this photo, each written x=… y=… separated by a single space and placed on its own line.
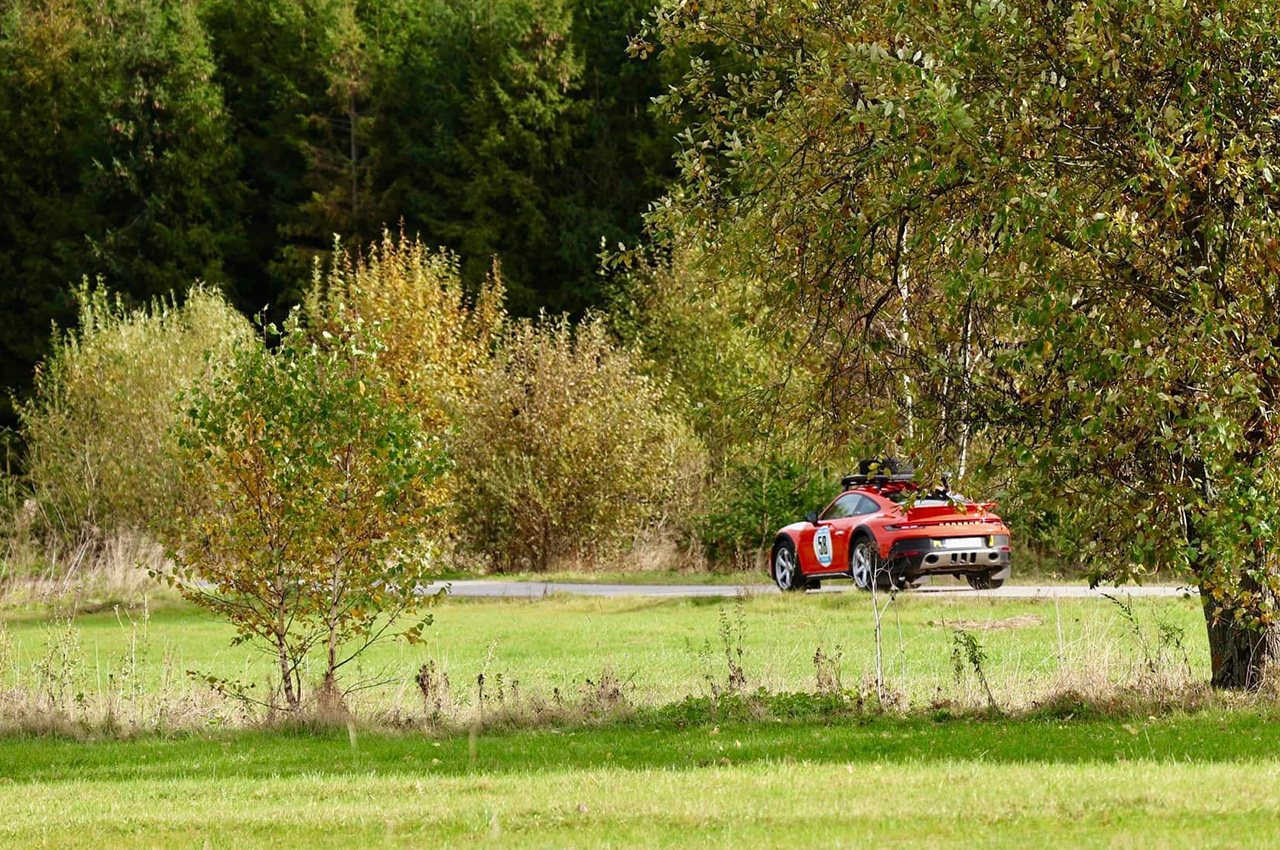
x=937 y=772
x=1176 y=781
x=665 y=649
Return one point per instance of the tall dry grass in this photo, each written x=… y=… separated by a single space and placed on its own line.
x=82 y=573
x=59 y=690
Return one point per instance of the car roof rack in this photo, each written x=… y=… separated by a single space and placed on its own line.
x=878 y=472
x=877 y=480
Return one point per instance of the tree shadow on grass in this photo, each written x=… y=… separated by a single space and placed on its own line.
x=1207 y=737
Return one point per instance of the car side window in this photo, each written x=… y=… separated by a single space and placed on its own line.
x=866 y=506
x=845 y=506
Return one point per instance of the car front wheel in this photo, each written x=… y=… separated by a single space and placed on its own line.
x=786 y=572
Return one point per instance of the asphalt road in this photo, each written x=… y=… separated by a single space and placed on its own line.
x=535 y=589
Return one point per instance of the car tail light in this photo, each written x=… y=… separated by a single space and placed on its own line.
x=902 y=527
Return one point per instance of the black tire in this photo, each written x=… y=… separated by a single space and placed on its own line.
x=785 y=567
x=984 y=581
x=877 y=566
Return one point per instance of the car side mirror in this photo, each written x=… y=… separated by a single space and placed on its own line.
x=811 y=517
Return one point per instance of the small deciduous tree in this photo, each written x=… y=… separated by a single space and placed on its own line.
x=313 y=535
x=698 y=337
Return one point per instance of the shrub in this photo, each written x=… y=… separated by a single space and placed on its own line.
x=433 y=339
x=741 y=390
x=750 y=501
x=565 y=450
x=696 y=336
x=317 y=518
x=413 y=302
x=97 y=427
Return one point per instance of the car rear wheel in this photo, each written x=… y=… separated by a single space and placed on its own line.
x=984 y=581
x=864 y=562
x=866 y=565
x=786 y=571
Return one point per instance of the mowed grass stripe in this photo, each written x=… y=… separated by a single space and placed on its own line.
x=1213 y=736
x=767 y=803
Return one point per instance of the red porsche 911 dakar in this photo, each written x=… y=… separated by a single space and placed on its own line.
x=885 y=532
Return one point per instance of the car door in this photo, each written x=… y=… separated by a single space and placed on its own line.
x=843 y=518
x=866 y=507
x=831 y=534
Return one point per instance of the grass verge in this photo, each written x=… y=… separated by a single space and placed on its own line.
x=130 y=666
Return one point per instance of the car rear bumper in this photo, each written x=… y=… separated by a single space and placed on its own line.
x=987 y=559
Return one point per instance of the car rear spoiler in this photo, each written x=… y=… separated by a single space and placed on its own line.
x=936 y=512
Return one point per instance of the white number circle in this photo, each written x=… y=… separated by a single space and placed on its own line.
x=822 y=546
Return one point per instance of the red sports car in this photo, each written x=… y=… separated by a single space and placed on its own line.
x=884 y=529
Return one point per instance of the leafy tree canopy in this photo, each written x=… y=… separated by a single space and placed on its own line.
x=1046 y=230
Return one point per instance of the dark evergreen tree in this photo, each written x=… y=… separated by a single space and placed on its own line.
x=336 y=139
x=623 y=155
x=117 y=161
x=155 y=142
x=477 y=124
x=269 y=66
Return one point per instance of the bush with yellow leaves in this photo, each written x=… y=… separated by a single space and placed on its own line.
x=98 y=427
x=565 y=453
x=433 y=337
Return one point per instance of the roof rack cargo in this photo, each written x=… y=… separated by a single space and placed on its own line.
x=880 y=471
x=857 y=480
